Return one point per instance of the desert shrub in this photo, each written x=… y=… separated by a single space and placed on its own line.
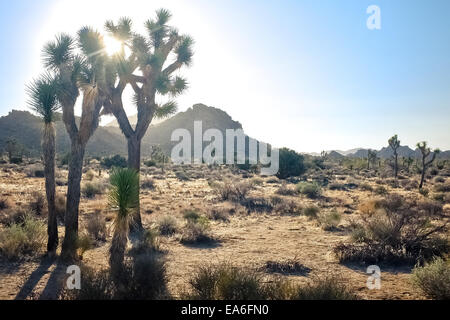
x=92 y=188
x=337 y=186
x=439 y=197
x=311 y=211
x=225 y=282
x=115 y=161
x=148 y=183
x=445 y=187
x=325 y=288
x=182 y=175
x=257 y=181
x=311 y=190
x=65 y=158
x=196 y=232
x=60 y=206
x=366 y=187
x=167 y=225
x=233 y=190
x=191 y=215
x=96 y=227
x=221 y=214
x=83 y=244
x=145 y=278
x=289 y=266
x=424 y=191
x=148 y=243
x=285 y=190
x=23 y=239
x=380 y=190
x=5 y=204
x=330 y=220
x=150 y=163
x=37 y=203
x=89 y=175
x=272 y=179
x=286 y=206
x=434 y=279
x=35 y=170
x=291 y=164
x=370 y=207
x=439 y=179
x=400 y=232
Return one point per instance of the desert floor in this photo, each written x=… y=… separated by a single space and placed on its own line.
x=248 y=239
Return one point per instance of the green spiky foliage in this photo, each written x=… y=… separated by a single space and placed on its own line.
x=43 y=100
x=78 y=65
x=124 y=199
x=426 y=152
x=149 y=64
x=394 y=143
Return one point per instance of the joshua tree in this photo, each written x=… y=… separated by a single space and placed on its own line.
x=80 y=66
x=13 y=149
x=42 y=93
x=371 y=157
x=426 y=151
x=148 y=57
x=124 y=198
x=407 y=162
x=394 y=143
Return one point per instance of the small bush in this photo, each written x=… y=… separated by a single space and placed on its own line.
x=401 y=232
x=219 y=214
x=366 y=187
x=291 y=266
x=115 y=161
x=311 y=190
x=89 y=175
x=37 y=203
x=167 y=225
x=83 y=243
x=233 y=190
x=147 y=244
x=445 y=187
x=24 y=239
x=311 y=211
x=150 y=163
x=291 y=164
x=284 y=190
x=337 y=186
x=5 y=204
x=424 y=192
x=60 y=204
x=96 y=227
x=148 y=183
x=196 y=232
x=35 y=170
x=326 y=288
x=91 y=189
x=330 y=220
x=287 y=206
x=434 y=279
x=380 y=190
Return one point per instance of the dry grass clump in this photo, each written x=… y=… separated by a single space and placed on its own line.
x=285 y=190
x=227 y=282
x=148 y=183
x=145 y=276
x=434 y=279
x=444 y=187
x=19 y=240
x=219 y=214
x=35 y=171
x=310 y=190
x=233 y=190
x=167 y=225
x=37 y=203
x=400 y=232
x=92 y=188
x=311 y=211
x=285 y=206
x=96 y=227
x=329 y=221
x=289 y=266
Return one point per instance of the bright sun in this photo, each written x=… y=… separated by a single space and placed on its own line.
x=112 y=45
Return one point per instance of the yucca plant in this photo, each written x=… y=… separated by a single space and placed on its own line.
x=43 y=101
x=124 y=199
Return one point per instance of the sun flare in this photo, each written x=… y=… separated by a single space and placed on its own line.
x=112 y=45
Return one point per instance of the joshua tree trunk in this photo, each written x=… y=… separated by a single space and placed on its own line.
x=48 y=147
x=134 y=162
x=395 y=165
x=422 y=178
x=117 y=254
x=73 y=201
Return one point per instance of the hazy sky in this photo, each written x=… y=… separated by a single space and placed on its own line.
x=306 y=74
